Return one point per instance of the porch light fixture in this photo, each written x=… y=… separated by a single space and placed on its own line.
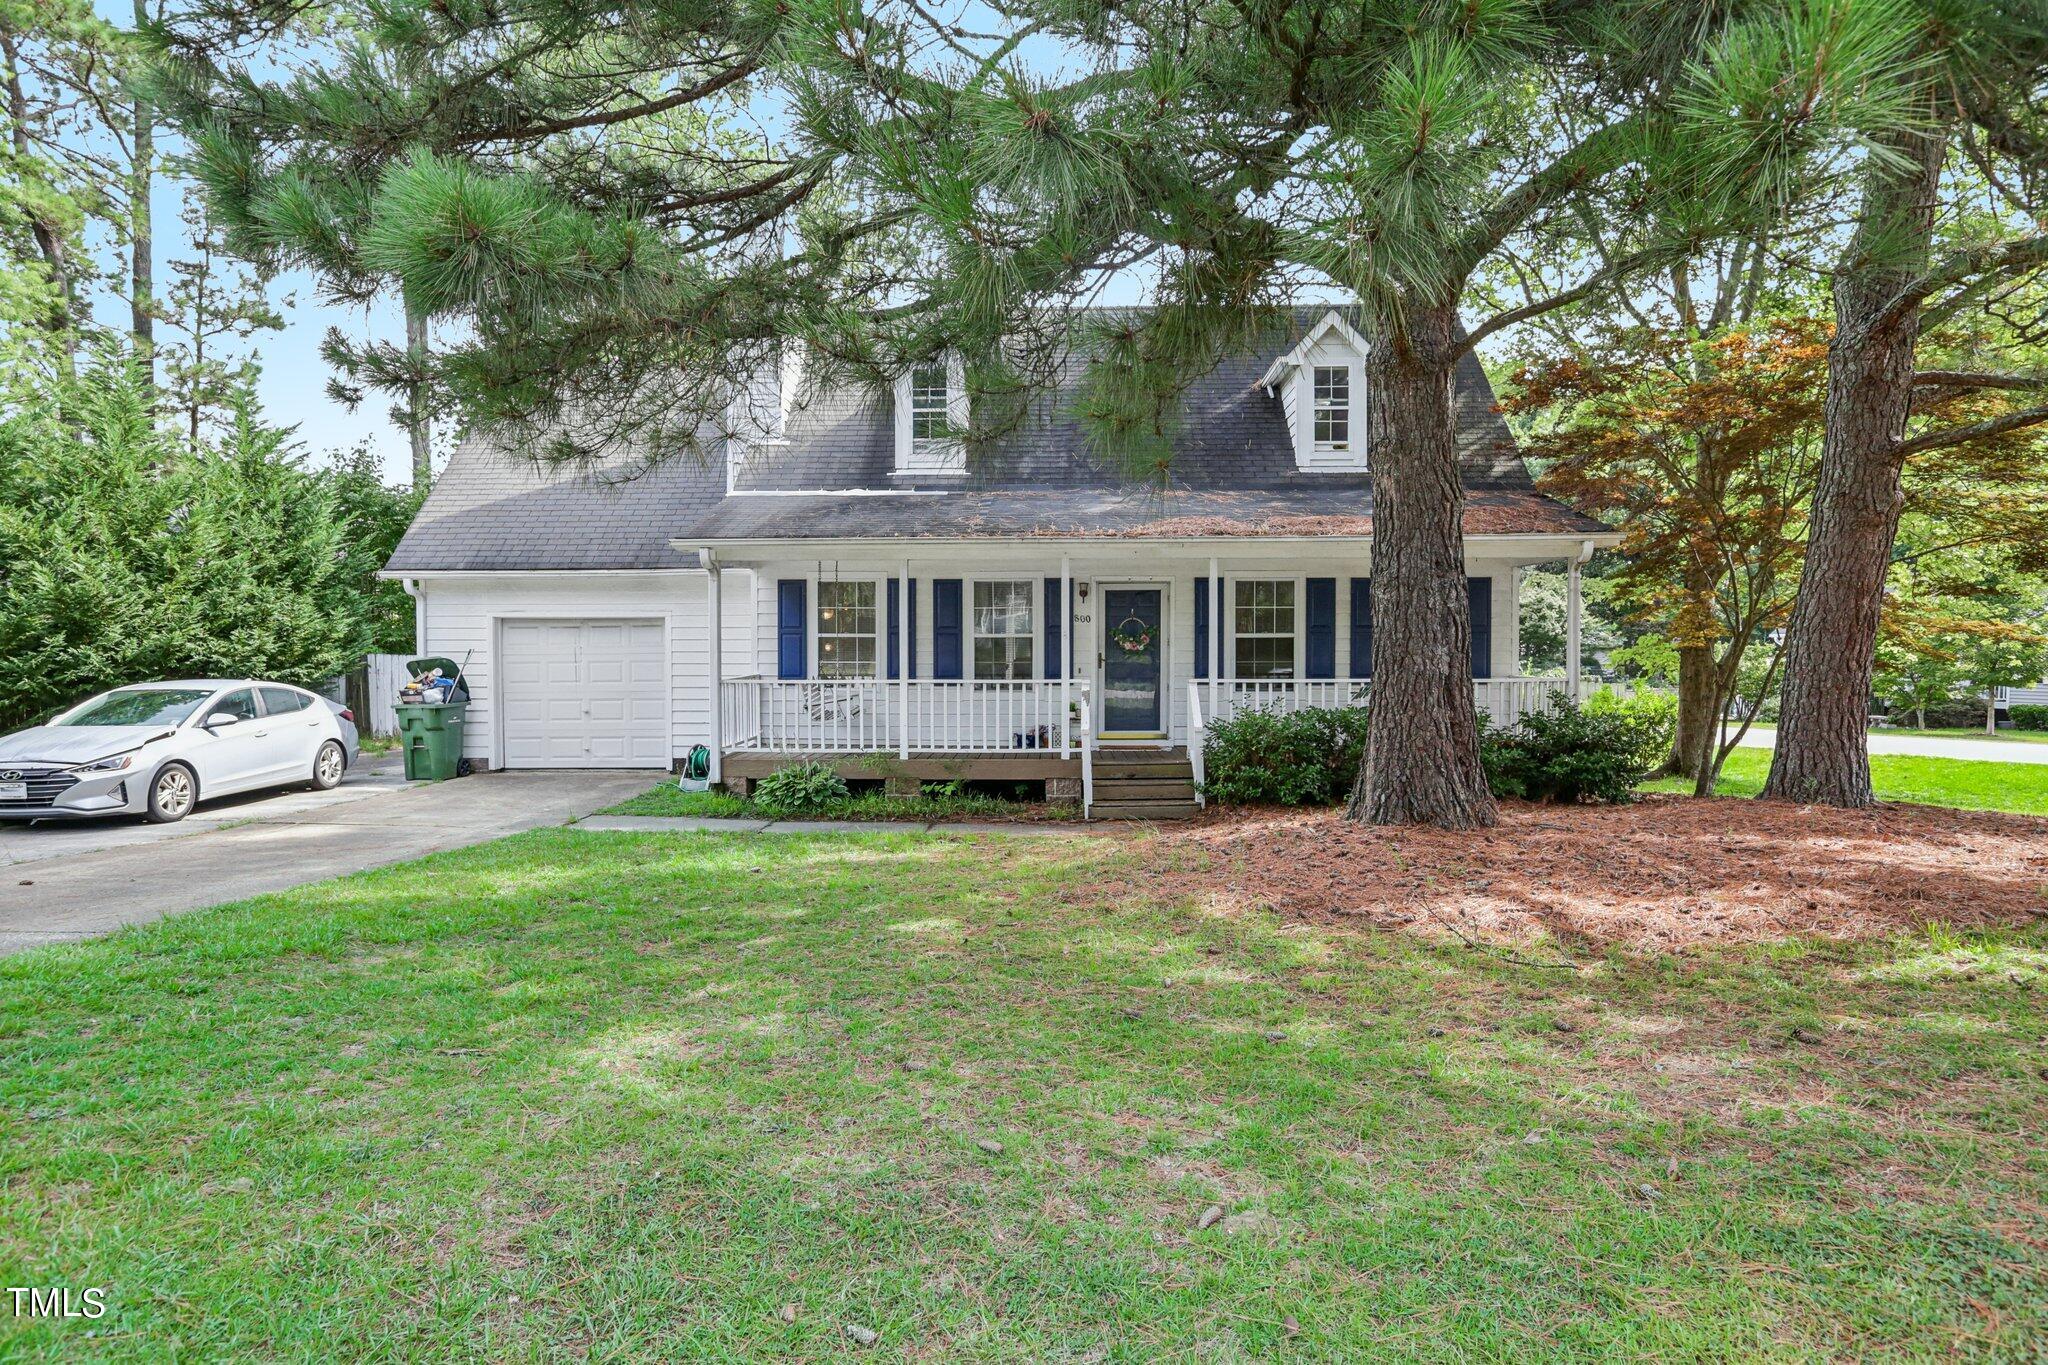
x=1081 y=591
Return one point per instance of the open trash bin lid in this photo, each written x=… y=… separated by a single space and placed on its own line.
x=449 y=668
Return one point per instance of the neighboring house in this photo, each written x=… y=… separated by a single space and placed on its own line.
x=889 y=602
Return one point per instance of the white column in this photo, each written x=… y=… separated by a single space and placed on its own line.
x=1573 y=605
x=903 y=663
x=715 y=651
x=1063 y=621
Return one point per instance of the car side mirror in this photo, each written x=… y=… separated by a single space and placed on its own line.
x=219 y=719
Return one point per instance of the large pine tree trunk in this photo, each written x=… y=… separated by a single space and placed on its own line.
x=1422 y=758
x=1823 y=750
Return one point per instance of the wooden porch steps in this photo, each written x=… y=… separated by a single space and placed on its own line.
x=1144 y=784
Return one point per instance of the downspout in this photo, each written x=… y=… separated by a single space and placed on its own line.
x=419 y=615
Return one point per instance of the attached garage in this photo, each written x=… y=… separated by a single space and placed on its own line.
x=585 y=693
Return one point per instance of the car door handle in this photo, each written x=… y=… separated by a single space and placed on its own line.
x=260 y=734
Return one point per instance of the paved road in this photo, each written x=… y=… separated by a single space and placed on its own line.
x=276 y=846
x=1928 y=746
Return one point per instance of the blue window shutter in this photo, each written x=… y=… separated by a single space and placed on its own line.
x=910 y=624
x=1054 y=628
x=791 y=627
x=1480 y=592
x=1322 y=628
x=946 y=628
x=1202 y=627
x=895 y=629
x=1361 y=627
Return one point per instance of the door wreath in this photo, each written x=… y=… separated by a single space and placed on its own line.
x=1131 y=635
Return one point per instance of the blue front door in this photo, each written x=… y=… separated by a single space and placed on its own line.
x=1131 y=652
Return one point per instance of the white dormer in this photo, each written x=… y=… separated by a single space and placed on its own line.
x=931 y=413
x=759 y=411
x=1321 y=388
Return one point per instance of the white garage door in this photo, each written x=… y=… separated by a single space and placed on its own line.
x=585 y=694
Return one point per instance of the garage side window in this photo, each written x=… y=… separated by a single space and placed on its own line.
x=847 y=622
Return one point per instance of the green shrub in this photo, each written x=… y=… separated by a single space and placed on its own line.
x=1300 y=758
x=1658 y=712
x=801 y=789
x=1572 y=753
x=2029 y=717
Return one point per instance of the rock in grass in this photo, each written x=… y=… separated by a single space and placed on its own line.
x=787 y=1312
x=990 y=1145
x=1290 y=1326
x=1650 y=1192
x=1211 y=1216
x=1274 y=1035
x=1808 y=1036
x=1564 y=1026
x=861 y=1336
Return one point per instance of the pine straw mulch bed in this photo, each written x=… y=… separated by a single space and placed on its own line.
x=1664 y=875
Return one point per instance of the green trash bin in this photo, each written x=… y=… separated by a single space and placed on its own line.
x=432 y=736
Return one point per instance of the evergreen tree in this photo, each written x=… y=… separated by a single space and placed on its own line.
x=1974 y=122
x=127 y=556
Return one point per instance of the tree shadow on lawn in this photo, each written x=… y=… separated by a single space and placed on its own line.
x=629 y=1095
x=1668 y=874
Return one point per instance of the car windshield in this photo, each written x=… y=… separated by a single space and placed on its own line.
x=139 y=706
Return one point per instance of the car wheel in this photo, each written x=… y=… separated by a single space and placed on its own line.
x=172 y=794
x=328 y=767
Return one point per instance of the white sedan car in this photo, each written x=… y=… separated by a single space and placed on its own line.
x=158 y=749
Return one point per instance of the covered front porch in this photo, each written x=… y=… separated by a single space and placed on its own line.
x=955 y=661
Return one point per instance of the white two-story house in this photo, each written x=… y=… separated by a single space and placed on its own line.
x=841 y=579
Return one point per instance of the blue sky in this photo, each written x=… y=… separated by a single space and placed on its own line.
x=293 y=386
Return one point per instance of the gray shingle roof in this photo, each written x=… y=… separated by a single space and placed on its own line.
x=1233 y=473
x=493 y=511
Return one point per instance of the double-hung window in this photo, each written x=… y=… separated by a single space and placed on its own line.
x=1333 y=407
x=1002 y=629
x=1263 y=627
x=847 y=645
x=929 y=403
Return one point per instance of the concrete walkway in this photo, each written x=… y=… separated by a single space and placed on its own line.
x=691 y=824
x=59 y=899
x=1928 y=746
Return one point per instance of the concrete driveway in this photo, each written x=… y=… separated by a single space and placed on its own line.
x=96 y=881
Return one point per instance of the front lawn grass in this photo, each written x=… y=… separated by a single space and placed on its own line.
x=577 y=1095
x=1966 y=784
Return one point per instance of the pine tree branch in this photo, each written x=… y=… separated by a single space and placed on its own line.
x=1967 y=379
x=1959 y=269
x=1619 y=269
x=529 y=132
x=1587 y=160
x=1955 y=436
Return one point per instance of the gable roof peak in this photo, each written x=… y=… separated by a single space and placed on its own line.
x=1291 y=360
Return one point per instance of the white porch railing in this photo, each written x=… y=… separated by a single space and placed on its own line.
x=876 y=715
x=1087 y=747
x=1502 y=701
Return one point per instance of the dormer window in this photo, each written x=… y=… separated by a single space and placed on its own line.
x=1333 y=407
x=928 y=403
x=1316 y=384
x=931 y=412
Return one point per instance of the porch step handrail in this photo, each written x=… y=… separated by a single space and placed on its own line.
x=1087 y=760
